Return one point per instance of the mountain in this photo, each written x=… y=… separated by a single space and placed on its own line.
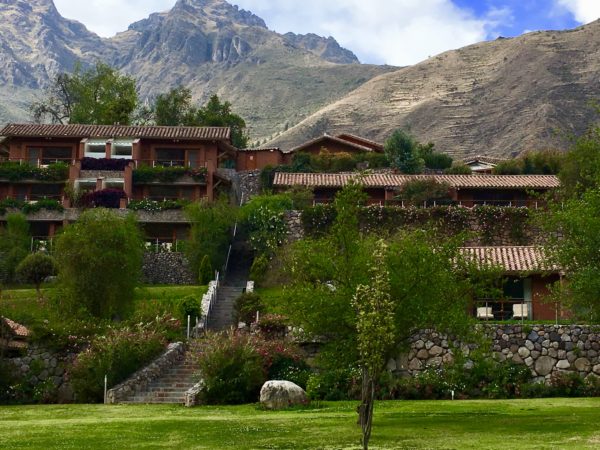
x=498 y=98
x=210 y=46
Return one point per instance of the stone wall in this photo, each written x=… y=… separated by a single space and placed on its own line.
x=249 y=184
x=501 y=236
x=545 y=349
x=167 y=268
x=139 y=381
x=40 y=365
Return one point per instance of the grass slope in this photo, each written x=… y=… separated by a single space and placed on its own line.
x=515 y=424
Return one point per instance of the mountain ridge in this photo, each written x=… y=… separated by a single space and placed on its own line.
x=209 y=46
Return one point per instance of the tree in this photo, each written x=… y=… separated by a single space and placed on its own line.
x=580 y=169
x=99 y=95
x=361 y=315
x=175 y=108
x=574 y=229
x=35 y=268
x=376 y=332
x=217 y=114
x=210 y=232
x=99 y=262
x=15 y=244
x=402 y=150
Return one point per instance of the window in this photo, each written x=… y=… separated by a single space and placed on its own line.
x=95 y=148
x=170 y=157
x=48 y=155
x=122 y=149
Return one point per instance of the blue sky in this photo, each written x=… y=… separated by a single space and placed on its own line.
x=396 y=32
x=523 y=15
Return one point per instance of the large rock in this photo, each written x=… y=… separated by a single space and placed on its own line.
x=278 y=394
x=544 y=365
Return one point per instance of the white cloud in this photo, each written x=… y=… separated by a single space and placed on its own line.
x=584 y=11
x=108 y=17
x=397 y=32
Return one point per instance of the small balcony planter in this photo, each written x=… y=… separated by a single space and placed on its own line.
x=15 y=171
x=117 y=165
x=146 y=174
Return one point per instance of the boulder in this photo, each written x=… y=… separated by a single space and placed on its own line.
x=544 y=365
x=279 y=394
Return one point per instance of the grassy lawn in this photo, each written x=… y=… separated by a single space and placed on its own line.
x=519 y=424
x=23 y=304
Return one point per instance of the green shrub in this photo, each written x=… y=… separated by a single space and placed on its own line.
x=235 y=366
x=246 y=307
x=437 y=160
x=337 y=384
x=205 y=273
x=259 y=268
x=232 y=370
x=458 y=169
x=263 y=218
x=156 y=206
x=272 y=325
x=117 y=354
x=290 y=369
x=190 y=306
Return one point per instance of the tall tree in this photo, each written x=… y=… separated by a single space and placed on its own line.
x=99 y=262
x=99 y=95
x=175 y=108
x=219 y=114
x=403 y=152
x=15 y=244
x=375 y=327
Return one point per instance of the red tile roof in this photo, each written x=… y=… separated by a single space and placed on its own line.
x=337 y=140
x=484 y=159
x=115 y=131
x=511 y=259
x=265 y=149
x=393 y=180
x=368 y=142
x=16 y=328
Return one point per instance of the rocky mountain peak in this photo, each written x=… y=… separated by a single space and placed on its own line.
x=219 y=11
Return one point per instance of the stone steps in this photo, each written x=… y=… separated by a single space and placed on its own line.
x=174 y=383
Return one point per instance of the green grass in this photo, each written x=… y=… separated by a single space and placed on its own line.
x=514 y=424
x=23 y=306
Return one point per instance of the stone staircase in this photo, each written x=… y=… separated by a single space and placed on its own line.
x=174 y=383
x=221 y=317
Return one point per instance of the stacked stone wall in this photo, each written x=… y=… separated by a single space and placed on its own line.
x=544 y=349
x=167 y=268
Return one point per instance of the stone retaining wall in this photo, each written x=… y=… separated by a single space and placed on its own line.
x=139 y=381
x=502 y=236
x=167 y=268
x=40 y=365
x=545 y=349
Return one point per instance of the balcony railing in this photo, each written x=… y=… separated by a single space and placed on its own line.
x=167 y=163
x=164 y=245
x=42 y=162
x=500 y=308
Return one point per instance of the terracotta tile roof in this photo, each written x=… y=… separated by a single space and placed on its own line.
x=510 y=259
x=265 y=149
x=484 y=159
x=368 y=142
x=17 y=328
x=115 y=131
x=393 y=180
x=337 y=140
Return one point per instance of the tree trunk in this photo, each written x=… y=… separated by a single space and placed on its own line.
x=365 y=410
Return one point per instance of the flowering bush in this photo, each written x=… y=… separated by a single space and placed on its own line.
x=117 y=354
x=272 y=325
x=264 y=217
x=14 y=171
x=235 y=366
x=156 y=206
